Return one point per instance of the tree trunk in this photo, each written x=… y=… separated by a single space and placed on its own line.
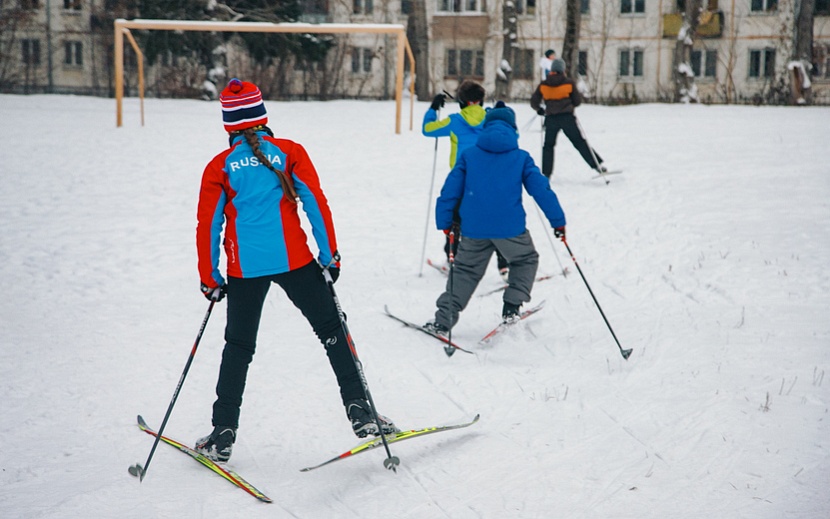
x=417 y=34
x=570 y=47
x=803 y=51
x=684 y=79
x=804 y=31
x=505 y=67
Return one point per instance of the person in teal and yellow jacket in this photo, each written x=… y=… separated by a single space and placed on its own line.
x=463 y=129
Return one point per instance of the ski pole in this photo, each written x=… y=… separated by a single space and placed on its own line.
x=591 y=148
x=137 y=470
x=429 y=205
x=527 y=125
x=391 y=462
x=550 y=240
x=625 y=353
x=449 y=350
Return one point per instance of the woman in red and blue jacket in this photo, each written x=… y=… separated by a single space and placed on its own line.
x=249 y=201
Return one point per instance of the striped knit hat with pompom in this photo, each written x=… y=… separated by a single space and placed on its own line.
x=242 y=106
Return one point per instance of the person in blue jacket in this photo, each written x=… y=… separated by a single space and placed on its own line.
x=486 y=185
x=463 y=129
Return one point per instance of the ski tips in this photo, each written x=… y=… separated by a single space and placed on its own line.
x=136 y=471
x=626 y=353
x=391 y=463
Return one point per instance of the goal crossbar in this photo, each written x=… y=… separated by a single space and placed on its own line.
x=122 y=28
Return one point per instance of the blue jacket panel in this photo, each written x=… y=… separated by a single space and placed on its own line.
x=487 y=182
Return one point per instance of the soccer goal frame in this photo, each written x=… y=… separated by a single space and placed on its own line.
x=122 y=30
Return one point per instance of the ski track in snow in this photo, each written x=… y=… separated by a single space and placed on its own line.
x=708 y=255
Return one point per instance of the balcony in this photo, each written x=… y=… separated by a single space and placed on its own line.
x=711 y=24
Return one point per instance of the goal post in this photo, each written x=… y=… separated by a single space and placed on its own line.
x=122 y=28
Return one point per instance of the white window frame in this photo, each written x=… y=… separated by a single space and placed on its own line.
x=30 y=52
x=477 y=56
x=763 y=72
x=73 y=53
x=630 y=72
x=460 y=6
x=363 y=7
x=522 y=8
x=633 y=11
x=362 y=57
x=706 y=55
x=766 y=8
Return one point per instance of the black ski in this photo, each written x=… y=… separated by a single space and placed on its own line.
x=441 y=338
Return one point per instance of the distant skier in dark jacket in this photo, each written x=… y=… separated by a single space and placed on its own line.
x=556 y=98
x=486 y=184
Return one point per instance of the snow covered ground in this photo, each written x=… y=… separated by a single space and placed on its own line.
x=709 y=256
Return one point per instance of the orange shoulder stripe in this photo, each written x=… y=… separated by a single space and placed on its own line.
x=556 y=92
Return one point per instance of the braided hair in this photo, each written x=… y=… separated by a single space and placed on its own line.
x=253 y=141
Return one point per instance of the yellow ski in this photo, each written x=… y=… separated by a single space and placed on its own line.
x=392 y=438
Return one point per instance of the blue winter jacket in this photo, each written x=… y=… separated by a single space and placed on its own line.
x=487 y=181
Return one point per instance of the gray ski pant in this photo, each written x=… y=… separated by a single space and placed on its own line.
x=470 y=265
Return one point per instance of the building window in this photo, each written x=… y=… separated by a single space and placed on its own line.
x=821 y=7
x=311 y=11
x=584 y=6
x=523 y=64
x=460 y=6
x=526 y=7
x=762 y=63
x=30 y=51
x=361 y=60
x=363 y=7
x=635 y=6
x=73 y=53
x=28 y=5
x=582 y=63
x=465 y=63
x=763 y=6
x=704 y=63
x=631 y=63
x=406 y=6
x=72 y=5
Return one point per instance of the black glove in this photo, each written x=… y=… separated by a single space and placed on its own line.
x=438 y=102
x=455 y=228
x=215 y=294
x=559 y=232
x=334 y=272
x=541 y=111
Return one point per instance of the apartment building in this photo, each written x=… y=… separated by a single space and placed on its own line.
x=741 y=51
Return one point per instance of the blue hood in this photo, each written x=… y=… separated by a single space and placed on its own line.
x=498 y=137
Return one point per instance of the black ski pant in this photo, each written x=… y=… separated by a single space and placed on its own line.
x=308 y=290
x=567 y=123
